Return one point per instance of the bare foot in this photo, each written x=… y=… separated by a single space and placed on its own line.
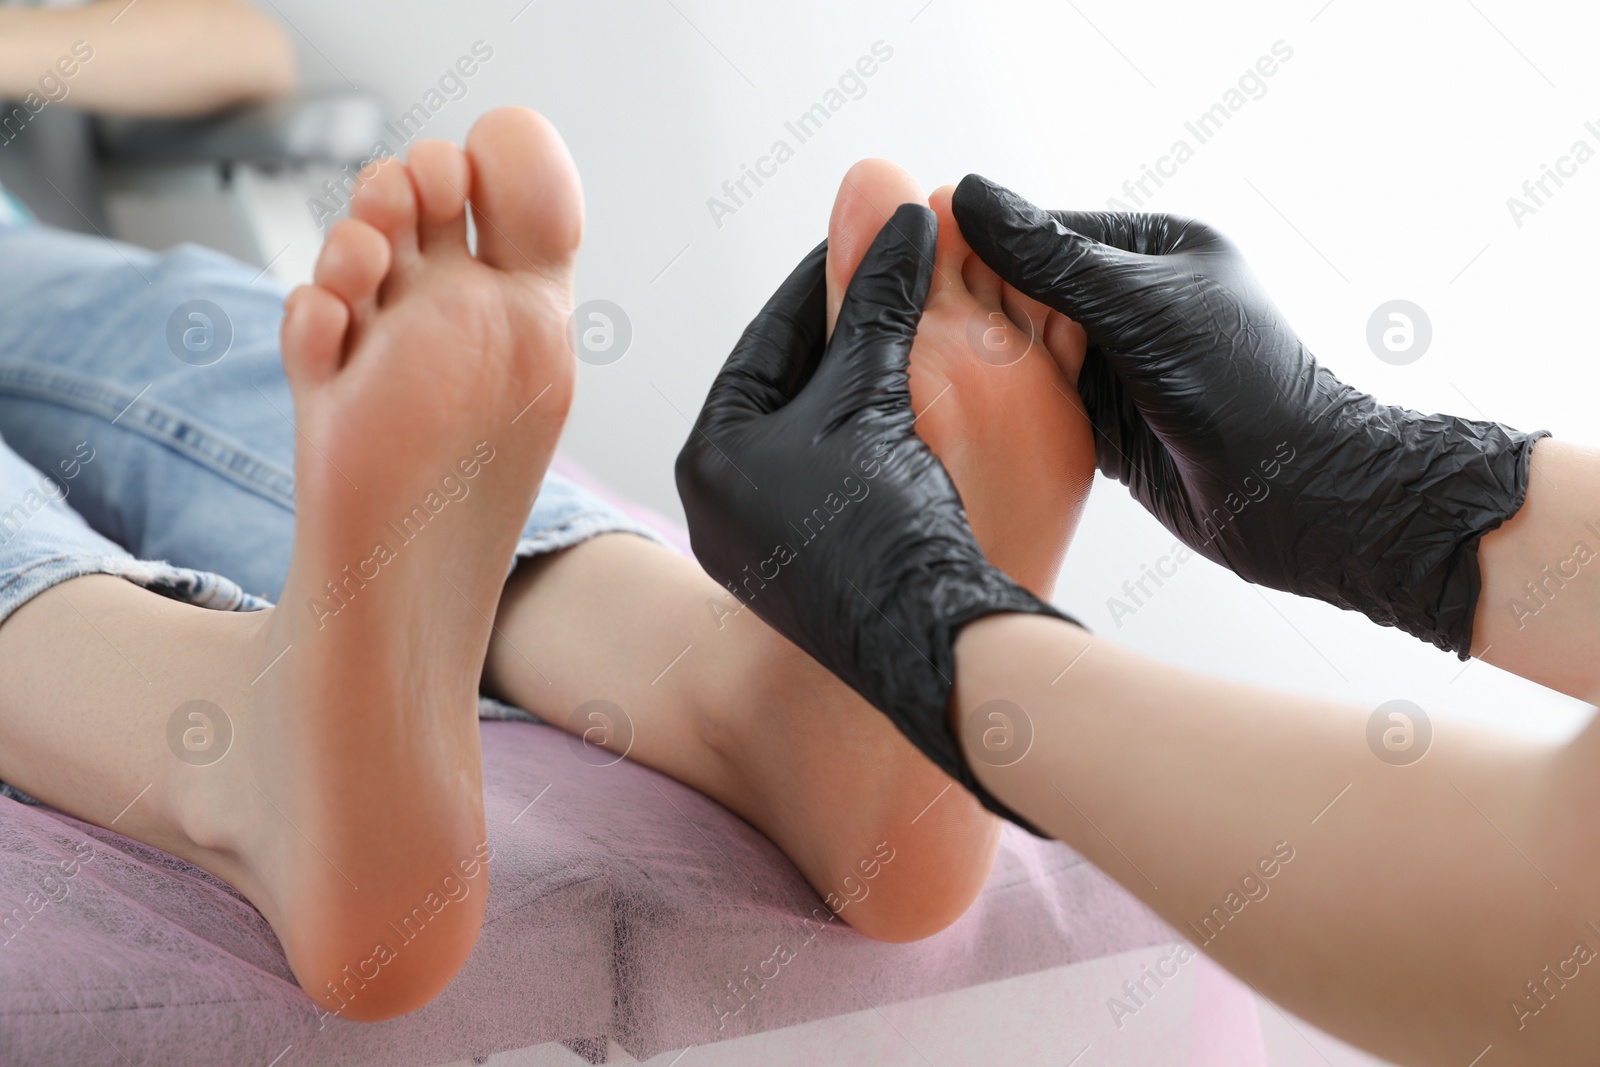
x=430 y=385
x=721 y=702
x=885 y=837
x=992 y=381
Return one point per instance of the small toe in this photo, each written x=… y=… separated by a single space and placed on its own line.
x=442 y=175
x=984 y=284
x=352 y=265
x=386 y=200
x=315 y=324
x=1067 y=344
x=1030 y=316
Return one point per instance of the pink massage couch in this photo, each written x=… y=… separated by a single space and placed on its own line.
x=628 y=912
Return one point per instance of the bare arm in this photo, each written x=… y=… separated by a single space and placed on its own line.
x=1407 y=907
x=1396 y=915
x=1539 y=613
x=150 y=58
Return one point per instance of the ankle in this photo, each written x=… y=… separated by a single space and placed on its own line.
x=209 y=735
x=756 y=668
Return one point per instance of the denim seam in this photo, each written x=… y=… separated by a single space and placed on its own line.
x=19 y=576
x=155 y=575
x=155 y=422
x=575 y=529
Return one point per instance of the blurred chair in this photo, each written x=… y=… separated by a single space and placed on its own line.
x=239 y=182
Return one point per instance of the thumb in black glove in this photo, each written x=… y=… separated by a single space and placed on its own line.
x=810 y=496
x=1221 y=423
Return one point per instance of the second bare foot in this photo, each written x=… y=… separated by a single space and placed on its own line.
x=430 y=385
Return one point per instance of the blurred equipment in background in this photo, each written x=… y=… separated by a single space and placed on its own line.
x=239 y=181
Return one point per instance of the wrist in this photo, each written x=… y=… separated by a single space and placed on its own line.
x=1016 y=683
x=1009 y=658
x=1398 y=539
x=1002 y=657
x=1540 y=592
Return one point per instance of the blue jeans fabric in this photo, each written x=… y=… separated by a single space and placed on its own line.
x=126 y=452
x=12 y=211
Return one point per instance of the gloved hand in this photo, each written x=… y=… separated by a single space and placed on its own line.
x=810 y=496
x=1208 y=407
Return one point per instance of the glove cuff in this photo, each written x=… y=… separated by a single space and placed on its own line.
x=916 y=687
x=1450 y=482
x=1500 y=491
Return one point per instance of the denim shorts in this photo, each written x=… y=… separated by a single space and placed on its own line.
x=141 y=441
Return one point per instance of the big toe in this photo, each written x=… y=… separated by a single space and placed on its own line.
x=527 y=202
x=868 y=197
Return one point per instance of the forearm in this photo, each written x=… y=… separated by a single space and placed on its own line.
x=153 y=57
x=1538 y=614
x=1404 y=921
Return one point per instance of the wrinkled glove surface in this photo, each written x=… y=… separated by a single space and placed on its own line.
x=1221 y=423
x=810 y=496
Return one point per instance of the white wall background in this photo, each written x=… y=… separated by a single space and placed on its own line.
x=1377 y=166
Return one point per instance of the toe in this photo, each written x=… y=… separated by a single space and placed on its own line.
x=387 y=201
x=951 y=258
x=352 y=265
x=527 y=202
x=1066 y=343
x=984 y=284
x=1030 y=316
x=442 y=176
x=1061 y=338
x=315 y=322
x=868 y=197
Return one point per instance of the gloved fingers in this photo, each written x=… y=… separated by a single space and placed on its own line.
x=871 y=345
x=1115 y=422
x=778 y=351
x=1144 y=234
x=1042 y=258
x=1129 y=231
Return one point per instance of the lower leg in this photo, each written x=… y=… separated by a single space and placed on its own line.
x=161 y=720
x=91 y=673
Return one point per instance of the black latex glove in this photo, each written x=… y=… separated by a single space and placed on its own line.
x=810 y=496
x=1207 y=406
